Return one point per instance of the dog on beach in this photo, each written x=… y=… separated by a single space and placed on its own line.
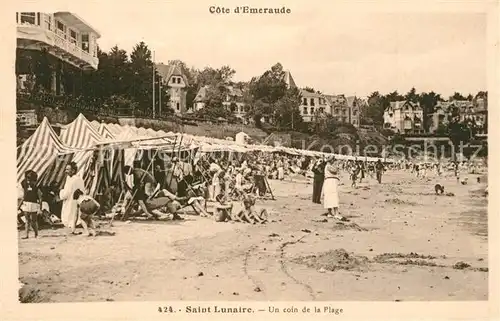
x=439 y=189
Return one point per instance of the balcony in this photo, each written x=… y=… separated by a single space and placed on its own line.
x=35 y=37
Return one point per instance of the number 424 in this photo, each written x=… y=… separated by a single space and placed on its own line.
x=165 y=309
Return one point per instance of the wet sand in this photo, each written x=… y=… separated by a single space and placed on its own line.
x=405 y=245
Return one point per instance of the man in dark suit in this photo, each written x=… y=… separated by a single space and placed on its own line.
x=319 y=178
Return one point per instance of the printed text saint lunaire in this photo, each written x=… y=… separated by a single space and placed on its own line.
x=217 y=309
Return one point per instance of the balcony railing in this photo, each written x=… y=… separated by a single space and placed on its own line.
x=70 y=46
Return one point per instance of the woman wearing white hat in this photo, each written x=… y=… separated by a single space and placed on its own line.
x=330 y=188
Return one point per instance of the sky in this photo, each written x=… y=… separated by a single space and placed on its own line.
x=334 y=48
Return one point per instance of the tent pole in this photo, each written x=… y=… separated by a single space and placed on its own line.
x=133 y=195
x=179 y=151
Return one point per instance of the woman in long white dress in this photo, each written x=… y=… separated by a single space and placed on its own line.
x=330 y=188
x=281 y=170
x=69 y=211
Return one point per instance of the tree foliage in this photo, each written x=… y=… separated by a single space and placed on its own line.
x=217 y=82
x=374 y=112
x=286 y=110
x=269 y=95
x=457 y=96
x=459 y=133
x=127 y=80
x=412 y=95
x=428 y=101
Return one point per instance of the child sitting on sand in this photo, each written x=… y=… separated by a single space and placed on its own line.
x=88 y=207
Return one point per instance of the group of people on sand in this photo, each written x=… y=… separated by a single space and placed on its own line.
x=77 y=207
x=171 y=186
x=439 y=168
x=327 y=177
x=175 y=184
x=153 y=194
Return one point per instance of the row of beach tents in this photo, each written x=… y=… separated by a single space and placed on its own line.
x=47 y=153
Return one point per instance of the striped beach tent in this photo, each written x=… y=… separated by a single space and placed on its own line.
x=142 y=131
x=80 y=133
x=113 y=128
x=127 y=134
x=114 y=157
x=105 y=132
x=40 y=151
x=151 y=132
x=81 y=136
x=95 y=124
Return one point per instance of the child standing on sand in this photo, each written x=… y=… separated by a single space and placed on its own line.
x=354 y=174
x=88 y=207
x=31 y=202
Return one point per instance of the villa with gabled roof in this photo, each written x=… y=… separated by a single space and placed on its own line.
x=404 y=117
x=233 y=101
x=176 y=83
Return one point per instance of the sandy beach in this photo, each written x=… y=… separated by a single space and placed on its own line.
x=402 y=243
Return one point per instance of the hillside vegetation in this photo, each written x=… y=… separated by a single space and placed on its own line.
x=340 y=139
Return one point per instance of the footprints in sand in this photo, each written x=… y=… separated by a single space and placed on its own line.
x=266 y=266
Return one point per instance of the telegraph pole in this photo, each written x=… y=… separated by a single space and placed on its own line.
x=154 y=84
x=159 y=97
